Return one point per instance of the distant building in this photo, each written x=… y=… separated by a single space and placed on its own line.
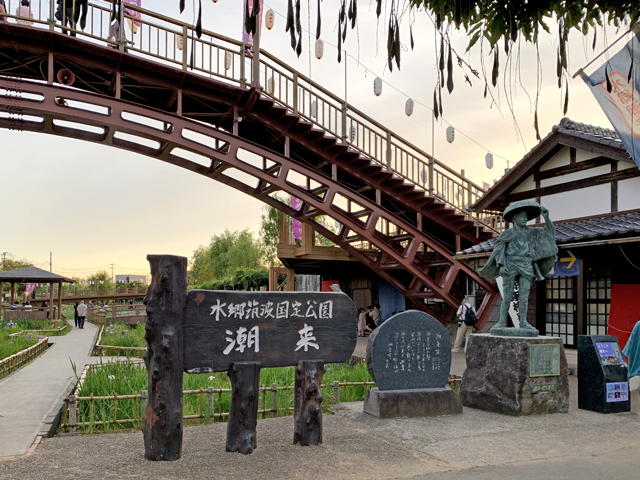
x=131 y=278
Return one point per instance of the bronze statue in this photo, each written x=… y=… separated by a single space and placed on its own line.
x=521 y=254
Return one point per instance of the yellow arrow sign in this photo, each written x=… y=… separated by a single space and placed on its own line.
x=571 y=259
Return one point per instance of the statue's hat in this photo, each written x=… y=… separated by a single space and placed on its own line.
x=530 y=206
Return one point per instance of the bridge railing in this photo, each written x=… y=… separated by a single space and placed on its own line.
x=171 y=41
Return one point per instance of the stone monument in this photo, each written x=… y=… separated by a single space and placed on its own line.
x=513 y=370
x=409 y=357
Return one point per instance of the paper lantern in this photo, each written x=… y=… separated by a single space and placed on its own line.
x=314 y=109
x=353 y=133
x=488 y=159
x=424 y=176
x=377 y=86
x=179 y=41
x=319 y=49
x=270 y=86
x=408 y=107
x=228 y=59
x=451 y=134
x=269 y=19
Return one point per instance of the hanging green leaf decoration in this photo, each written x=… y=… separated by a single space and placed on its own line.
x=398 y=47
x=436 y=112
x=298 y=23
x=339 y=46
x=450 y=71
x=630 y=71
x=289 y=25
x=350 y=11
x=199 y=21
x=441 y=65
x=486 y=89
x=255 y=14
x=181 y=5
x=113 y=10
x=566 y=100
x=535 y=124
x=606 y=75
x=318 y=22
x=595 y=33
x=496 y=68
x=440 y=98
x=355 y=14
x=391 y=35
x=379 y=8
x=411 y=37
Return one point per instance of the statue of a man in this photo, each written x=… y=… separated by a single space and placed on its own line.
x=521 y=254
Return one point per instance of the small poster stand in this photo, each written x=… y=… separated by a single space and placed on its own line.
x=602 y=375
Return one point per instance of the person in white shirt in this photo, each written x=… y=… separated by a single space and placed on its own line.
x=24 y=10
x=464 y=330
x=82 y=312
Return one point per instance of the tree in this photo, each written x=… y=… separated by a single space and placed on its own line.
x=100 y=280
x=224 y=255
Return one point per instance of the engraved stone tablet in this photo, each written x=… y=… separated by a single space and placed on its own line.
x=411 y=350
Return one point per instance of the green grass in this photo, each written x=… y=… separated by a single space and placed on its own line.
x=121 y=335
x=12 y=345
x=126 y=378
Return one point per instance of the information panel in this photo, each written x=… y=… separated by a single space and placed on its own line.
x=544 y=360
x=617 y=392
x=610 y=354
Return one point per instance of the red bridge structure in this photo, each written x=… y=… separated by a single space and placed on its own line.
x=258 y=126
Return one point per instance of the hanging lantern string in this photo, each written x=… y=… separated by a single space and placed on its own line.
x=444 y=120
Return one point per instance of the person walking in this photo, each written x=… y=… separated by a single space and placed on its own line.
x=82 y=312
x=376 y=315
x=464 y=330
x=75 y=313
x=64 y=13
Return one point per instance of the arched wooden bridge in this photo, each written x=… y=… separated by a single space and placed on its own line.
x=400 y=212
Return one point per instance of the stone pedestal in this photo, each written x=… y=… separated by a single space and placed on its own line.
x=499 y=377
x=427 y=402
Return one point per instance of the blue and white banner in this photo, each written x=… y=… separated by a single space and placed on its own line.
x=622 y=103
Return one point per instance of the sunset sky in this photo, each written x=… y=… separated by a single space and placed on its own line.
x=93 y=206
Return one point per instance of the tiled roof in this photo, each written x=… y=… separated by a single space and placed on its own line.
x=32 y=275
x=603 y=136
x=582 y=229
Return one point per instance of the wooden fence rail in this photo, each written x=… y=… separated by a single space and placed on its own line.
x=18 y=360
x=207 y=403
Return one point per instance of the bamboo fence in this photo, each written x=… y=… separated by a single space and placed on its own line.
x=71 y=421
x=99 y=348
x=18 y=360
x=50 y=331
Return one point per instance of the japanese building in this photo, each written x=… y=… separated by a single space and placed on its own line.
x=591 y=186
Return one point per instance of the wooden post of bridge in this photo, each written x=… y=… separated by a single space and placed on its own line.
x=51 y=300
x=308 y=403
x=243 y=412
x=165 y=301
x=60 y=301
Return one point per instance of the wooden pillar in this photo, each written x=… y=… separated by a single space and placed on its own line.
x=165 y=301
x=51 y=299
x=308 y=239
x=283 y=230
x=243 y=412
x=273 y=280
x=291 y=280
x=13 y=293
x=60 y=301
x=308 y=403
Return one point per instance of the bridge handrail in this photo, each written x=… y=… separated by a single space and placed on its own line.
x=293 y=89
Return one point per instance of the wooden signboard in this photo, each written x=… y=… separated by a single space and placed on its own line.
x=274 y=328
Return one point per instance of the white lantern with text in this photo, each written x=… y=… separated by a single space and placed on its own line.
x=377 y=86
x=488 y=160
x=451 y=134
x=408 y=107
x=269 y=19
x=319 y=49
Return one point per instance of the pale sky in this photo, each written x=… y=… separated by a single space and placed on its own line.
x=93 y=205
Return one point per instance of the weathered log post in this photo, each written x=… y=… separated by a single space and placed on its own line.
x=308 y=403
x=243 y=412
x=165 y=301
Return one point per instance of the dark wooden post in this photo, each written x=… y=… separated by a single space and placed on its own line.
x=308 y=403
x=165 y=301
x=243 y=412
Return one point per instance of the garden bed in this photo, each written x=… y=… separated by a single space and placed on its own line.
x=121 y=339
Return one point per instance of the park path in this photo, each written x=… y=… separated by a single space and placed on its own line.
x=29 y=395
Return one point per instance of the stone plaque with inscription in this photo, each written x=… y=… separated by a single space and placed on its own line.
x=544 y=360
x=274 y=328
x=411 y=350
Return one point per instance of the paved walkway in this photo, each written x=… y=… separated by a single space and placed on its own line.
x=28 y=396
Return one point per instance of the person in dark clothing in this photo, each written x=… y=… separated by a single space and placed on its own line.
x=46 y=308
x=75 y=314
x=80 y=5
x=65 y=15
x=370 y=321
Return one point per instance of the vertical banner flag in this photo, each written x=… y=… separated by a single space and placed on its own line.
x=296 y=225
x=30 y=287
x=248 y=39
x=616 y=86
x=133 y=13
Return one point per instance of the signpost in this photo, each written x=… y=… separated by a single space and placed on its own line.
x=567 y=264
x=238 y=332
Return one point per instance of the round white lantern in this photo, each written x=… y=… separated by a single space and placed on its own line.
x=179 y=42
x=270 y=86
x=488 y=159
x=314 y=109
x=377 y=86
x=319 y=49
x=353 y=133
x=228 y=59
x=451 y=134
x=408 y=107
x=269 y=19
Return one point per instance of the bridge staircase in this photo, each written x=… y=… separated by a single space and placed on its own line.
x=400 y=212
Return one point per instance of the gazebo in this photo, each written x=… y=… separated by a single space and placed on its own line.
x=36 y=275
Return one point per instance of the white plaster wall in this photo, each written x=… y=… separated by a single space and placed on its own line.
x=625 y=165
x=560 y=159
x=592 y=172
x=579 y=203
x=629 y=194
x=582 y=155
x=528 y=184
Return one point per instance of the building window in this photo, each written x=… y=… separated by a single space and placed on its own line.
x=560 y=309
x=598 y=297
